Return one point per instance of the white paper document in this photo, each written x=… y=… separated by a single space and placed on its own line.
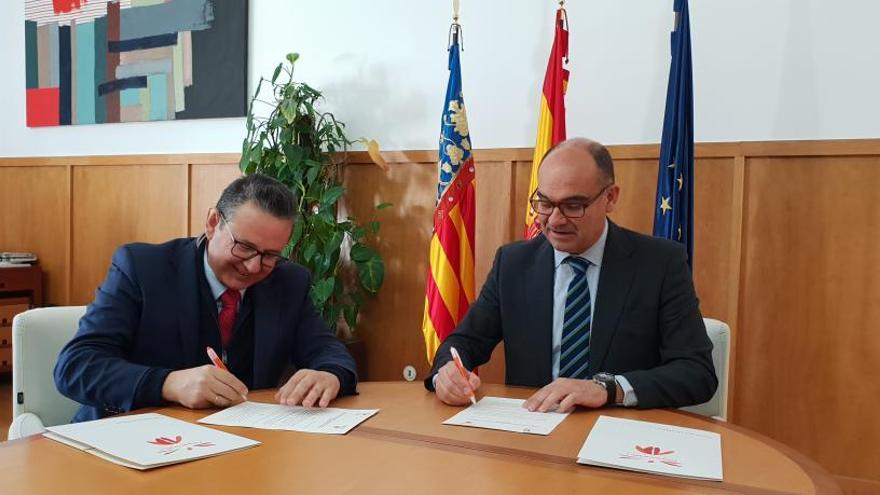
x=498 y=413
x=653 y=448
x=144 y=441
x=328 y=420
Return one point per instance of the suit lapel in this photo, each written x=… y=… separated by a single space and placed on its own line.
x=538 y=280
x=187 y=311
x=615 y=280
x=267 y=313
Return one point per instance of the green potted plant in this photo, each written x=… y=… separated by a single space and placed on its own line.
x=304 y=148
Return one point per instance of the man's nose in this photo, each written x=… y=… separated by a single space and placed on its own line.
x=253 y=265
x=556 y=217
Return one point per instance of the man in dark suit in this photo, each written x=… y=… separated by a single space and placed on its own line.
x=143 y=340
x=591 y=312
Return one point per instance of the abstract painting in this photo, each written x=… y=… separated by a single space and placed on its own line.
x=100 y=61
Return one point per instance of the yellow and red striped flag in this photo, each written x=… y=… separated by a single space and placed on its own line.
x=449 y=289
x=551 y=121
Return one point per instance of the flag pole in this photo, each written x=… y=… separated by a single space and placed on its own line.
x=455 y=33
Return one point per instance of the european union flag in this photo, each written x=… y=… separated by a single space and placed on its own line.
x=674 y=207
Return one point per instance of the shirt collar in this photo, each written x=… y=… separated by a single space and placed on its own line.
x=217 y=288
x=593 y=254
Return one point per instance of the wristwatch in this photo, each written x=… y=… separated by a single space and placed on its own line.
x=607 y=381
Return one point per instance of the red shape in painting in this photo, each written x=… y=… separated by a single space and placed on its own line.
x=65 y=6
x=42 y=107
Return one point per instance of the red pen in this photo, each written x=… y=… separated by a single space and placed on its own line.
x=464 y=374
x=219 y=363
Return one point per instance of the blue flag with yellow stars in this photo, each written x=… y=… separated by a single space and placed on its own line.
x=674 y=207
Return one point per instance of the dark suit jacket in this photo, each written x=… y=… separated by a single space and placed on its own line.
x=646 y=325
x=143 y=324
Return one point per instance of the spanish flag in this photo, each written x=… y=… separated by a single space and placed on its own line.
x=450 y=280
x=551 y=121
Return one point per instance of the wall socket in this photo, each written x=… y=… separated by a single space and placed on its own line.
x=409 y=372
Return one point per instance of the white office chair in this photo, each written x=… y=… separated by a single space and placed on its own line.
x=37 y=337
x=719 y=334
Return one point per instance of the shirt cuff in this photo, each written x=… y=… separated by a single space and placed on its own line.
x=629 y=395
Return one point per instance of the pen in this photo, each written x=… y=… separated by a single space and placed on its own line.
x=464 y=374
x=219 y=363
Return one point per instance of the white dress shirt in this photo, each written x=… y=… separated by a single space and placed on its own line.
x=562 y=278
x=217 y=287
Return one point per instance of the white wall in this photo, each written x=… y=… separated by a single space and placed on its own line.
x=763 y=70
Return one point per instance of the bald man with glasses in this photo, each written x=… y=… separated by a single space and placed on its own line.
x=590 y=313
x=143 y=340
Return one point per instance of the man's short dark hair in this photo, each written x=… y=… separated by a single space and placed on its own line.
x=267 y=193
x=599 y=153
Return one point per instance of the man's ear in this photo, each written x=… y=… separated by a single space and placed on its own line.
x=212 y=222
x=613 y=195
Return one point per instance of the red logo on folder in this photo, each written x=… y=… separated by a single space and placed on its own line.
x=652 y=454
x=166 y=440
x=653 y=450
x=172 y=445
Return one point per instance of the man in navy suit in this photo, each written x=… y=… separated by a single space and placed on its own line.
x=592 y=313
x=143 y=340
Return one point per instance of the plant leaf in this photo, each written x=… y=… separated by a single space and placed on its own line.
x=351 y=313
x=312 y=174
x=371 y=273
x=333 y=244
x=297 y=232
x=322 y=290
x=361 y=253
x=373 y=151
x=309 y=251
x=332 y=195
x=382 y=206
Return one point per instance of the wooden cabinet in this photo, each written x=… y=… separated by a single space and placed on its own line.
x=21 y=288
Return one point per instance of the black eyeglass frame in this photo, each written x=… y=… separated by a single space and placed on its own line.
x=534 y=201
x=254 y=252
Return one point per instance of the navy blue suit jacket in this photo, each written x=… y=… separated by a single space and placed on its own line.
x=647 y=324
x=143 y=324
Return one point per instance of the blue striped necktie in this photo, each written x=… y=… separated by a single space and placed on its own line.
x=575 y=349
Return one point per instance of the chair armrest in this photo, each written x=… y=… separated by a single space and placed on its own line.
x=25 y=424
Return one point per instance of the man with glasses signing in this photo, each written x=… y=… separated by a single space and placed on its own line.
x=143 y=340
x=592 y=313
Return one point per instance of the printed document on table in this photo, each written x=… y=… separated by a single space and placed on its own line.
x=144 y=441
x=653 y=448
x=498 y=413
x=328 y=420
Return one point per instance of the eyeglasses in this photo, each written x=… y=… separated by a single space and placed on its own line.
x=569 y=209
x=245 y=251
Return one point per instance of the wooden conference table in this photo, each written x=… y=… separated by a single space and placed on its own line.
x=405 y=449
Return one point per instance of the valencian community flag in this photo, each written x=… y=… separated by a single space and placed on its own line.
x=674 y=206
x=449 y=288
x=551 y=121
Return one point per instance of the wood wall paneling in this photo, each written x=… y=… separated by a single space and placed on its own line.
x=207 y=181
x=810 y=302
x=785 y=252
x=390 y=323
x=113 y=205
x=35 y=207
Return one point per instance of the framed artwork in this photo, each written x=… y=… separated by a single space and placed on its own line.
x=100 y=61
